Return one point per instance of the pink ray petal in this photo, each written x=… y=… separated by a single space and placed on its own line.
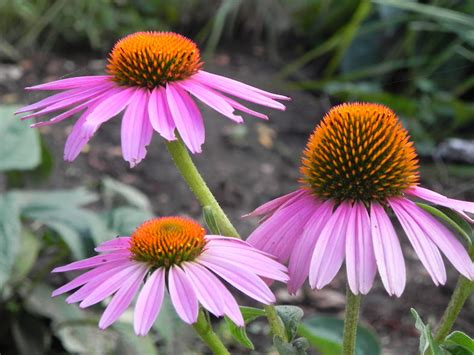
x=300 y=258
x=208 y=96
x=186 y=116
x=86 y=277
x=182 y=295
x=444 y=239
x=71 y=83
x=50 y=100
x=118 y=243
x=229 y=242
x=273 y=205
x=63 y=115
x=425 y=249
x=111 y=105
x=97 y=281
x=93 y=261
x=439 y=199
x=328 y=253
x=160 y=115
x=360 y=259
x=235 y=85
x=204 y=285
x=149 y=302
x=123 y=297
x=242 y=108
x=278 y=234
x=247 y=282
x=387 y=250
x=136 y=129
x=111 y=285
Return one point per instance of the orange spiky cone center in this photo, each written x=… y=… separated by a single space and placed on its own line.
x=359 y=152
x=167 y=241
x=151 y=59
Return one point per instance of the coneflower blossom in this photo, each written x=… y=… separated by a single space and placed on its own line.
x=173 y=253
x=359 y=165
x=151 y=77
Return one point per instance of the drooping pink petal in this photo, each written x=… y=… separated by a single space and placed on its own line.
x=208 y=96
x=71 y=83
x=444 y=239
x=93 y=261
x=300 y=258
x=95 y=282
x=271 y=206
x=255 y=263
x=245 y=281
x=387 y=250
x=62 y=116
x=49 y=100
x=149 y=302
x=136 y=129
x=360 y=259
x=229 y=242
x=425 y=249
x=278 y=234
x=186 y=116
x=439 y=199
x=118 y=243
x=160 y=115
x=182 y=295
x=233 y=86
x=243 y=108
x=111 y=285
x=110 y=105
x=204 y=285
x=328 y=253
x=86 y=277
x=123 y=297
x=74 y=99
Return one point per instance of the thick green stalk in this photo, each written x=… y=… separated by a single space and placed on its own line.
x=198 y=186
x=463 y=290
x=350 y=323
x=204 y=329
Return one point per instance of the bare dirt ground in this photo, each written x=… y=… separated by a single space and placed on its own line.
x=245 y=165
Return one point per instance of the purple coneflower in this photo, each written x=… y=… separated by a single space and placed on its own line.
x=151 y=77
x=359 y=165
x=173 y=253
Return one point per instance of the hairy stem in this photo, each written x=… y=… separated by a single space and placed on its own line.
x=204 y=329
x=350 y=323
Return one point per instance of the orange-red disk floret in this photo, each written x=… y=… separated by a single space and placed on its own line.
x=167 y=241
x=151 y=59
x=359 y=152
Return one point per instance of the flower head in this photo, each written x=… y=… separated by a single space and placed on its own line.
x=173 y=253
x=150 y=77
x=358 y=165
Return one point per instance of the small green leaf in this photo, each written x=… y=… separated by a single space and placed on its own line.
x=459 y=343
x=29 y=249
x=251 y=313
x=114 y=188
x=124 y=220
x=325 y=334
x=20 y=148
x=10 y=229
x=451 y=218
x=129 y=343
x=239 y=333
x=291 y=317
x=208 y=215
x=426 y=338
x=297 y=347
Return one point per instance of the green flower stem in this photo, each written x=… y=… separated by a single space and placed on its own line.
x=276 y=324
x=350 y=323
x=198 y=186
x=463 y=290
x=204 y=329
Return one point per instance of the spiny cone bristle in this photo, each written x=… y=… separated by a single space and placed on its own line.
x=167 y=241
x=151 y=59
x=359 y=152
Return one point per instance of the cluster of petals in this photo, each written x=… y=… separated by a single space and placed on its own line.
x=115 y=273
x=164 y=109
x=316 y=236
